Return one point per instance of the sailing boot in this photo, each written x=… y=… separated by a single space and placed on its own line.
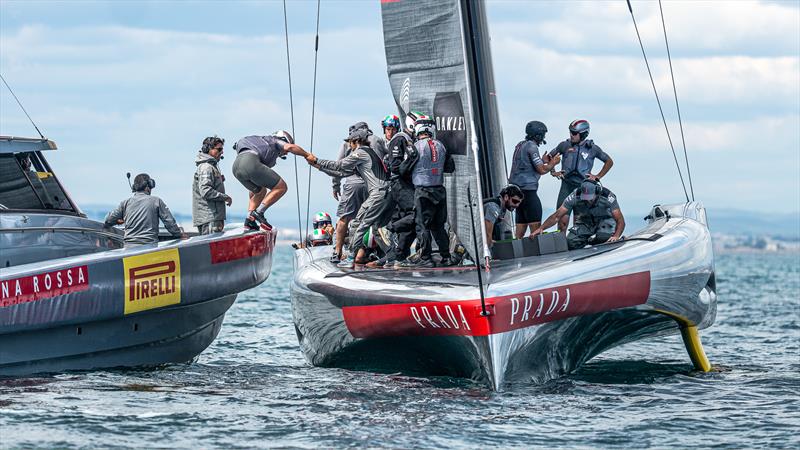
x=421 y=263
x=250 y=223
x=346 y=263
x=259 y=217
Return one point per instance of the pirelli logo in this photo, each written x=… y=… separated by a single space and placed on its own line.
x=152 y=280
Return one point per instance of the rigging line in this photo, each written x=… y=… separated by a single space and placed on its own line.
x=476 y=257
x=677 y=106
x=291 y=109
x=313 y=104
x=658 y=100
x=20 y=105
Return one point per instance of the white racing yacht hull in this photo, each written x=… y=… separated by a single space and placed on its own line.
x=546 y=315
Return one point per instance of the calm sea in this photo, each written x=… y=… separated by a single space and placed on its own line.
x=252 y=388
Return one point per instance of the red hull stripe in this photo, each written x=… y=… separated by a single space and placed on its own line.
x=508 y=312
x=43 y=285
x=247 y=246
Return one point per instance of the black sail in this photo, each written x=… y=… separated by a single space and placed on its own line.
x=439 y=63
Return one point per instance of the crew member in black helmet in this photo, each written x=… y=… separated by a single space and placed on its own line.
x=526 y=169
x=598 y=217
x=578 y=155
x=140 y=214
x=494 y=212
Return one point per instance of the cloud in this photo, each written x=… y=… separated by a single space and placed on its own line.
x=699 y=28
x=121 y=98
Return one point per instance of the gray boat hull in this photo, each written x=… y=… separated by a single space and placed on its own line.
x=130 y=307
x=548 y=315
x=175 y=335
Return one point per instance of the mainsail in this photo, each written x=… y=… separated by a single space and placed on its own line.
x=439 y=63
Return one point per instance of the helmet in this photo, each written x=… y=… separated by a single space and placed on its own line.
x=322 y=219
x=412 y=117
x=284 y=136
x=391 y=121
x=319 y=236
x=512 y=190
x=581 y=127
x=536 y=131
x=369 y=239
x=425 y=126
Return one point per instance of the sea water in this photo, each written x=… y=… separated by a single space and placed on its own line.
x=252 y=388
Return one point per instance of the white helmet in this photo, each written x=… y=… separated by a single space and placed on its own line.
x=284 y=136
x=425 y=126
x=412 y=117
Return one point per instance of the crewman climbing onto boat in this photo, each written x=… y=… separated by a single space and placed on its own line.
x=495 y=209
x=141 y=212
x=256 y=155
x=352 y=192
x=598 y=217
x=526 y=169
x=427 y=163
x=578 y=155
x=401 y=191
x=208 y=189
x=365 y=162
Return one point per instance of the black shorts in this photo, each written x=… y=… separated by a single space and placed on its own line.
x=530 y=210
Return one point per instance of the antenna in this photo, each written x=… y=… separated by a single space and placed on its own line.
x=128 y=174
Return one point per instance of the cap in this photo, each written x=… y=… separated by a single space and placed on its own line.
x=357 y=134
x=589 y=190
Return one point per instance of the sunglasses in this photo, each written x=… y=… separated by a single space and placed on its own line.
x=218 y=148
x=574 y=133
x=515 y=201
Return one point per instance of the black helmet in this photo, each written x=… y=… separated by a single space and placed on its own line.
x=581 y=127
x=512 y=190
x=536 y=130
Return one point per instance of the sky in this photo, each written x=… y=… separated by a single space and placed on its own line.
x=134 y=87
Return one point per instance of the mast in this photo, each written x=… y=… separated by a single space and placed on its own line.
x=480 y=77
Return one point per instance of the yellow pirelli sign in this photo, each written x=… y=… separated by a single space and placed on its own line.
x=152 y=280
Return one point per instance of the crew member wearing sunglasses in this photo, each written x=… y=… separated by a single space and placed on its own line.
x=494 y=213
x=578 y=154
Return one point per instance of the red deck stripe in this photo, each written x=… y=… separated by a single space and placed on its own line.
x=246 y=246
x=508 y=312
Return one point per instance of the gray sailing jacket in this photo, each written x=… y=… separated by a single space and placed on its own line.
x=141 y=213
x=577 y=160
x=376 y=143
x=208 y=191
x=360 y=162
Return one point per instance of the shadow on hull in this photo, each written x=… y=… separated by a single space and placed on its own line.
x=173 y=335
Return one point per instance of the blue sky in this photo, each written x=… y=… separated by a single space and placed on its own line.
x=135 y=86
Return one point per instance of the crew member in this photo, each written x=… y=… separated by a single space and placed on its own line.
x=598 y=218
x=364 y=161
x=526 y=169
x=350 y=194
x=208 y=189
x=140 y=214
x=401 y=193
x=427 y=163
x=256 y=155
x=494 y=212
x=578 y=154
